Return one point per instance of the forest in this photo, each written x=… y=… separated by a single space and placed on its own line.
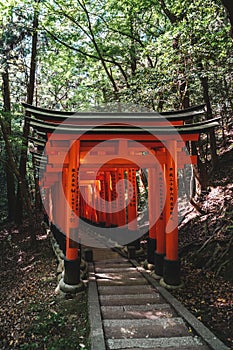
x=78 y=55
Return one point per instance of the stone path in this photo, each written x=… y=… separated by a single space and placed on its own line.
x=127 y=312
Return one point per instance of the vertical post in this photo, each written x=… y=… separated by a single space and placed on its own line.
x=132 y=210
x=50 y=204
x=72 y=259
x=55 y=198
x=160 y=223
x=132 y=205
x=62 y=200
x=103 y=202
x=46 y=202
x=121 y=199
x=108 y=198
x=151 y=243
x=87 y=207
x=89 y=203
x=81 y=207
x=97 y=200
x=171 y=272
x=93 y=204
x=62 y=209
x=113 y=197
x=58 y=205
x=56 y=213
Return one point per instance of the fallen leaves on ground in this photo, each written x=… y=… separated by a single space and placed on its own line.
x=32 y=316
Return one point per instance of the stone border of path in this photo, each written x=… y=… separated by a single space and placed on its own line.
x=96 y=326
x=211 y=340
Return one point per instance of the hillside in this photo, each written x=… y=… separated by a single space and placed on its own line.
x=206 y=250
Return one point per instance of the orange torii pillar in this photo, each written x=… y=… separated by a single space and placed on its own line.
x=59 y=209
x=113 y=197
x=171 y=268
x=92 y=201
x=71 y=281
x=160 y=223
x=87 y=203
x=97 y=199
x=108 y=194
x=87 y=206
x=132 y=206
x=103 y=201
x=152 y=193
x=82 y=206
x=50 y=204
x=95 y=202
x=121 y=199
x=59 y=216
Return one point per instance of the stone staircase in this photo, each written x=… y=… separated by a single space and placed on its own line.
x=133 y=314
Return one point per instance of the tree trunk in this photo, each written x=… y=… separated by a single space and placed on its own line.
x=21 y=181
x=228 y=4
x=184 y=94
x=10 y=181
x=99 y=53
x=199 y=172
x=172 y=17
x=213 y=146
x=30 y=94
x=132 y=50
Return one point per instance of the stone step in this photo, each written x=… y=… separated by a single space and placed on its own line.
x=115 y=269
x=112 y=261
x=122 y=290
x=137 y=311
x=110 y=281
x=130 y=299
x=120 y=275
x=105 y=265
x=144 y=328
x=184 y=343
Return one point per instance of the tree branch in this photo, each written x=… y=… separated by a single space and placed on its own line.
x=115 y=88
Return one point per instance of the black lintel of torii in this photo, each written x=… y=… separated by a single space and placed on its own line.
x=195 y=128
x=37 y=142
x=56 y=115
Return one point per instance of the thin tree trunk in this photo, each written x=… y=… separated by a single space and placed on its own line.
x=213 y=146
x=199 y=172
x=21 y=181
x=10 y=181
x=132 y=50
x=99 y=53
x=228 y=4
x=30 y=94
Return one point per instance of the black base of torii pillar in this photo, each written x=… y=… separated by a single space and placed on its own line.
x=171 y=274
x=70 y=281
x=151 y=247
x=167 y=270
x=159 y=263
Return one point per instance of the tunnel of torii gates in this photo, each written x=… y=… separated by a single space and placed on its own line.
x=81 y=158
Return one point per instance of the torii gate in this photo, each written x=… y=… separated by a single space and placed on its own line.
x=93 y=151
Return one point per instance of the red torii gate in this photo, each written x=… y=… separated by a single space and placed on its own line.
x=118 y=141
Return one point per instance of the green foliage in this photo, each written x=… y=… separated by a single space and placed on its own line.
x=95 y=52
x=149 y=53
